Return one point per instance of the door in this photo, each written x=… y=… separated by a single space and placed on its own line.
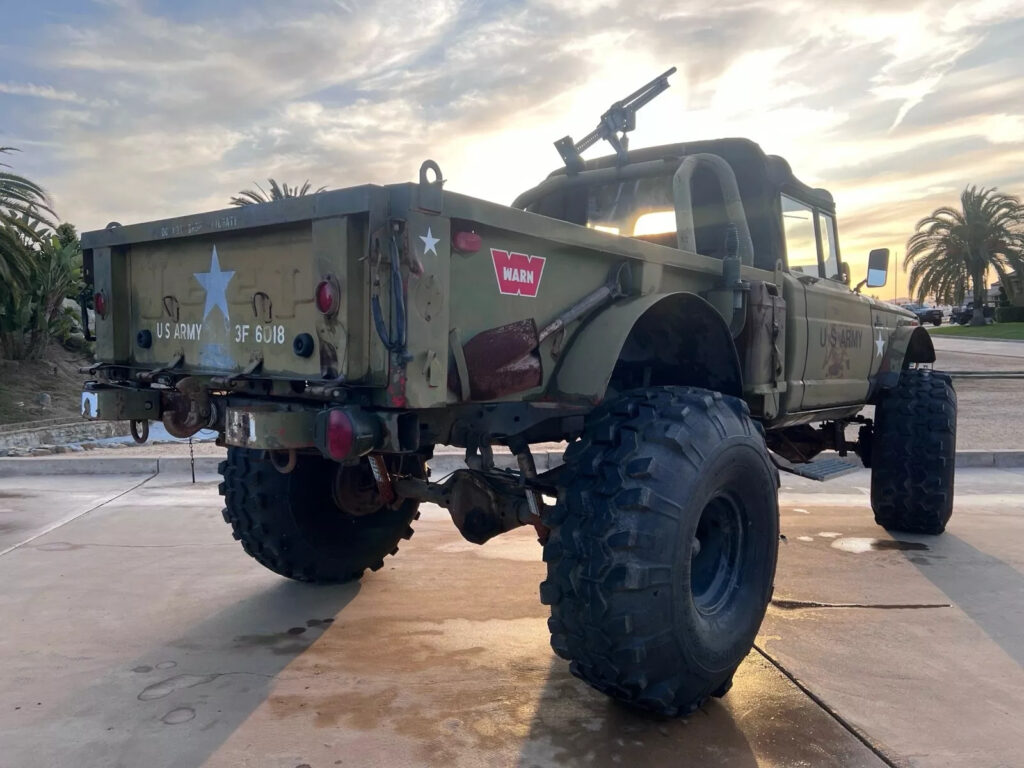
x=839 y=345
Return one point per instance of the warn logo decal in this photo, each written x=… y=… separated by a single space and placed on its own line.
x=518 y=274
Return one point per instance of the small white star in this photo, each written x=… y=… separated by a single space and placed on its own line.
x=429 y=243
x=215 y=283
x=879 y=345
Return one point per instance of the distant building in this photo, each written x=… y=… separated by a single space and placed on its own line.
x=1014 y=290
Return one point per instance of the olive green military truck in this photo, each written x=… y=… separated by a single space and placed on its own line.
x=680 y=315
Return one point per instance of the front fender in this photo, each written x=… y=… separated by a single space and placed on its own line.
x=907 y=344
x=689 y=342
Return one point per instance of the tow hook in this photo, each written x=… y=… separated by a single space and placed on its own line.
x=284 y=461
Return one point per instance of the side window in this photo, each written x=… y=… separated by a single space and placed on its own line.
x=827 y=227
x=801 y=242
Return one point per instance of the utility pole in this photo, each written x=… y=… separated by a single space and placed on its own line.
x=896 y=277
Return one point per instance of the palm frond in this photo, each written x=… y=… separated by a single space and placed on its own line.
x=278 y=191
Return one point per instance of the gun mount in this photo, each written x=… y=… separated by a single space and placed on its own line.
x=616 y=122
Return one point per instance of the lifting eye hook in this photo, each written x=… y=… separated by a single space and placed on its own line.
x=140 y=430
x=284 y=461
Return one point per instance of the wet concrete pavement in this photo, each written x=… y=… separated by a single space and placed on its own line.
x=139 y=634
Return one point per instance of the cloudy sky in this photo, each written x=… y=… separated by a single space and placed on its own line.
x=142 y=109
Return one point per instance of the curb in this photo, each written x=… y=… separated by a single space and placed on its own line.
x=441 y=465
x=999 y=459
x=104 y=465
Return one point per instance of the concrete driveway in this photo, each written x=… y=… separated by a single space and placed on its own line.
x=137 y=633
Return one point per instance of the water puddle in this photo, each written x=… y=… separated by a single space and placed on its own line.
x=796 y=605
x=58 y=546
x=859 y=546
x=172 y=684
x=179 y=715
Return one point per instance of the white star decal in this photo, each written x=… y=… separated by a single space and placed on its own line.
x=879 y=345
x=215 y=283
x=429 y=242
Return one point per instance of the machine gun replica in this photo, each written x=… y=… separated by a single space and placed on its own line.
x=615 y=124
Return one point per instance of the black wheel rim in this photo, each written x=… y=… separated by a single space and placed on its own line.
x=716 y=557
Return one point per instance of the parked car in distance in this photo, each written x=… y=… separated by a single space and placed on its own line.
x=925 y=314
x=962 y=315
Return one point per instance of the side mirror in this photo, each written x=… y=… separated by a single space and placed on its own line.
x=878 y=267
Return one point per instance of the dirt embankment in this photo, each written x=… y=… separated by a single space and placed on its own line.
x=49 y=388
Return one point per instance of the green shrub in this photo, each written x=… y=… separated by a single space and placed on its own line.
x=31 y=316
x=1010 y=314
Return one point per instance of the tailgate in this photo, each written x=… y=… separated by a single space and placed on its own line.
x=232 y=301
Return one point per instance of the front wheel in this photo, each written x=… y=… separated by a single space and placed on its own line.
x=664 y=541
x=321 y=522
x=914 y=452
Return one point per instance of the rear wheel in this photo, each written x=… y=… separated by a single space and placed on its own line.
x=913 y=454
x=320 y=523
x=663 y=547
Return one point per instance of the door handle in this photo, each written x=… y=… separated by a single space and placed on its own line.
x=808 y=279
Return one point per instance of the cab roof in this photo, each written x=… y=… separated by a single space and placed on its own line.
x=748 y=161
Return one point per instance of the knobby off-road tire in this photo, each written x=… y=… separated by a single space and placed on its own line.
x=643 y=612
x=913 y=454
x=292 y=525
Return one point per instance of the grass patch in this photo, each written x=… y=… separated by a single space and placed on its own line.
x=996 y=331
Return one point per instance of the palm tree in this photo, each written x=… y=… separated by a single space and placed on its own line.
x=953 y=248
x=277 y=192
x=24 y=211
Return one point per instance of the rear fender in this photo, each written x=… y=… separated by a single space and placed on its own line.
x=661 y=339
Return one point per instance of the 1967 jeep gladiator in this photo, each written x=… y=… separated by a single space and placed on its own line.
x=680 y=315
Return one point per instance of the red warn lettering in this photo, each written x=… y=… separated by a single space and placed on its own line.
x=518 y=274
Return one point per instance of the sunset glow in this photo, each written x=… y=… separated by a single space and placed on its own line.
x=133 y=110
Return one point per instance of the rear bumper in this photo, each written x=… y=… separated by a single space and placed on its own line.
x=270 y=428
x=101 y=403
x=277 y=428
x=259 y=426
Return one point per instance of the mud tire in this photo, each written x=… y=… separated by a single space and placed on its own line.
x=913 y=454
x=291 y=524
x=636 y=617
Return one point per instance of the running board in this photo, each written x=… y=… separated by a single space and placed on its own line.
x=821 y=469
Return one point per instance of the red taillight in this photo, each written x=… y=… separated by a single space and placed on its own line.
x=340 y=435
x=467 y=242
x=99 y=303
x=328 y=295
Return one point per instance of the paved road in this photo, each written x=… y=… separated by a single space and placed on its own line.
x=137 y=633
x=989 y=409
x=997 y=348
